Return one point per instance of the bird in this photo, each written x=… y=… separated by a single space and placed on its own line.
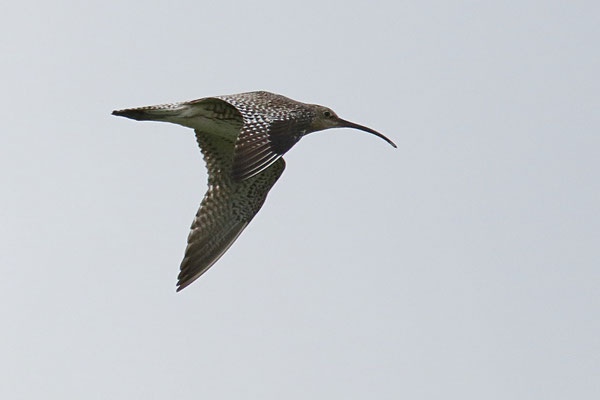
x=242 y=138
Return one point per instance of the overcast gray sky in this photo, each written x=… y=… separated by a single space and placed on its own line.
x=463 y=265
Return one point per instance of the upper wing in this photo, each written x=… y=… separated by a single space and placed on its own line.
x=260 y=144
x=227 y=208
x=272 y=124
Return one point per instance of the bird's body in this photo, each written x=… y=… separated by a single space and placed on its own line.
x=242 y=138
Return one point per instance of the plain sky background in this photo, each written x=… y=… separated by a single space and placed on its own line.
x=463 y=265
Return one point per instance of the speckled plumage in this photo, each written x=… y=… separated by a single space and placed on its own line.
x=272 y=125
x=227 y=208
x=242 y=138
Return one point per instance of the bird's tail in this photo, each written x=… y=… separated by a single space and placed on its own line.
x=163 y=112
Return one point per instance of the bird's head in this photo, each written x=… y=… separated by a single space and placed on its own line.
x=325 y=118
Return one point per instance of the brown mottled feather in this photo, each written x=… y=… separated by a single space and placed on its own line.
x=273 y=124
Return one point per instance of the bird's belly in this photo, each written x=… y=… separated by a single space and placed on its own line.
x=228 y=128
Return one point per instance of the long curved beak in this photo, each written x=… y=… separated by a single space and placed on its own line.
x=347 y=124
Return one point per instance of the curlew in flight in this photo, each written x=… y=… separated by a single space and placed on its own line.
x=242 y=138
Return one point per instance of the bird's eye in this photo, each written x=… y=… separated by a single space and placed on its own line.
x=327 y=114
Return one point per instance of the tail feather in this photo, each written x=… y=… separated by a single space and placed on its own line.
x=152 y=113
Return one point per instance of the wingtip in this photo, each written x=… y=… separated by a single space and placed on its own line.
x=182 y=285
